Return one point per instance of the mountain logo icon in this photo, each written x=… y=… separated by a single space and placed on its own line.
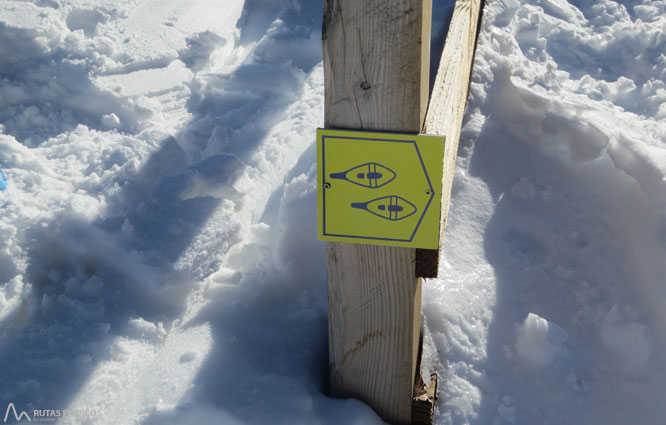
x=18 y=417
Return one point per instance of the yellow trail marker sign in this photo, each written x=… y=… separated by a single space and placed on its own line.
x=379 y=188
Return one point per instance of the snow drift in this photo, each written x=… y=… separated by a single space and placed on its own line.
x=158 y=252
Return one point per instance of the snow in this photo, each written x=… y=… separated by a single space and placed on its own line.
x=557 y=222
x=158 y=252
x=539 y=340
x=632 y=342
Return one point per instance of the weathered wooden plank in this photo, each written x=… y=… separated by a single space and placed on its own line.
x=423 y=406
x=376 y=55
x=446 y=109
x=374 y=325
x=376 y=63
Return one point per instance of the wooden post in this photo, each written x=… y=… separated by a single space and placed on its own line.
x=446 y=109
x=376 y=63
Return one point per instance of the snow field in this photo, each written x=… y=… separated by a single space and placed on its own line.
x=552 y=288
x=158 y=252
x=127 y=229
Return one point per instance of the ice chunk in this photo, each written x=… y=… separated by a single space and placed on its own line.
x=110 y=120
x=538 y=340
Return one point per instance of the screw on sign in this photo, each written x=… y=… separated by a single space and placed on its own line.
x=379 y=188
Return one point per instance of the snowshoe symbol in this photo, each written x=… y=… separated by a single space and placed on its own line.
x=371 y=175
x=392 y=207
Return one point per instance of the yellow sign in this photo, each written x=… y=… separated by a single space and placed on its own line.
x=379 y=188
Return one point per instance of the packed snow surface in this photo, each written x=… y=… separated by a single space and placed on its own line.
x=158 y=252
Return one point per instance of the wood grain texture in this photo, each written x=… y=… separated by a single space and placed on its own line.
x=446 y=109
x=376 y=75
x=376 y=55
x=374 y=325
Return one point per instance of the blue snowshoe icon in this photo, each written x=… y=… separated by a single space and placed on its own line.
x=371 y=175
x=392 y=207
